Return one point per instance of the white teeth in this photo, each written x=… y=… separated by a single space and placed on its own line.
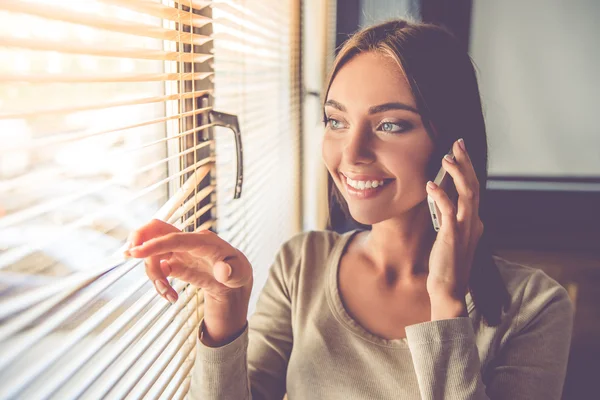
x=362 y=185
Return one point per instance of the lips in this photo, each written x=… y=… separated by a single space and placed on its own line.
x=364 y=186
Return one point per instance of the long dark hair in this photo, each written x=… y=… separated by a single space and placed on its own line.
x=444 y=85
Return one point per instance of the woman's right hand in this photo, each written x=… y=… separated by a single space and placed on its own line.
x=204 y=260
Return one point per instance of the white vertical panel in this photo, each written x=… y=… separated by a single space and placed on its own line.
x=253 y=79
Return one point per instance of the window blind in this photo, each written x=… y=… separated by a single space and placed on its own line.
x=105 y=123
x=258 y=77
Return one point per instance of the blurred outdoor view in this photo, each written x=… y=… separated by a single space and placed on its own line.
x=71 y=173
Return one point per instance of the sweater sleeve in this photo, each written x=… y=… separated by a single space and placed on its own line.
x=254 y=365
x=531 y=365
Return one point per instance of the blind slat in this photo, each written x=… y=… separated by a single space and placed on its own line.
x=97 y=78
x=131 y=102
x=207 y=225
x=191 y=204
x=164 y=314
x=38 y=302
x=162 y=11
x=100 y=51
x=182 y=372
x=66 y=370
x=174 y=320
x=108 y=356
x=71 y=339
x=13 y=255
x=198 y=214
x=182 y=392
x=49 y=207
x=183 y=192
x=265 y=17
x=61 y=138
x=34 y=335
x=109 y=24
x=42 y=208
x=132 y=373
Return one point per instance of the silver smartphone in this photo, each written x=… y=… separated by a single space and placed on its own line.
x=442 y=179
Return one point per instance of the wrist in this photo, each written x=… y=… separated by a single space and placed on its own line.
x=448 y=308
x=225 y=317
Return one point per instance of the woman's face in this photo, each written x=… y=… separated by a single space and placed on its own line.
x=375 y=146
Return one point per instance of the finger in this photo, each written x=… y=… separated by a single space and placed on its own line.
x=465 y=180
x=208 y=245
x=152 y=229
x=156 y=274
x=154 y=267
x=444 y=204
x=460 y=150
x=464 y=161
x=170 y=294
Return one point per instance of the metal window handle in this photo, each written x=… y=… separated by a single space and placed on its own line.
x=231 y=121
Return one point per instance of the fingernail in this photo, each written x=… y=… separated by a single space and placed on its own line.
x=449 y=159
x=171 y=298
x=229 y=270
x=431 y=185
x=161 y=286
x=126 y=252
x=461 y=143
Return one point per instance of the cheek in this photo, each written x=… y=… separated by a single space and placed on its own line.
x=408 y=166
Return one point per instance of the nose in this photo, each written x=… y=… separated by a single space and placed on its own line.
x=358 y=149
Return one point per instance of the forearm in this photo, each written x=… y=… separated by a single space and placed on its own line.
x=220 y=369
x=225 y=317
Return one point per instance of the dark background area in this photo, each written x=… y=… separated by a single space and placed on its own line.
x=551 y=223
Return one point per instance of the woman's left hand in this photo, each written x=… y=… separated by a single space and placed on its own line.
x=452 y=252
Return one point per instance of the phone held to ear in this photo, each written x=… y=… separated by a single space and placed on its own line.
x=442 y=179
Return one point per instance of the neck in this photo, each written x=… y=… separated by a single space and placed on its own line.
x=402 y=244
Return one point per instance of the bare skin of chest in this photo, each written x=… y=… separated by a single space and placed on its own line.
x=379 y=301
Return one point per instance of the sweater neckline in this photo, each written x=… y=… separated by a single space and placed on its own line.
x=337 y=307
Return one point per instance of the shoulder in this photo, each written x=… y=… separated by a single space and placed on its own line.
x=533 y=294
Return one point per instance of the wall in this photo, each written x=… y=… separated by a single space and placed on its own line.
x=538 y=64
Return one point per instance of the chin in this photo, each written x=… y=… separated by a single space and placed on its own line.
x=368 y=217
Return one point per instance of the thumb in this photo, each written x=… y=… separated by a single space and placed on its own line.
x=222 y=271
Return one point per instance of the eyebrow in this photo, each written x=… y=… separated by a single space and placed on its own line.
x=375 y=109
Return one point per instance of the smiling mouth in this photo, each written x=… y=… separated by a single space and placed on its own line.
x=366 y=184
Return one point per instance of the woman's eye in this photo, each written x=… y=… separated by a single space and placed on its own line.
x=333 y=123
x=391 y=127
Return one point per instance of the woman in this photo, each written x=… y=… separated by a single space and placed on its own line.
x=398 y=311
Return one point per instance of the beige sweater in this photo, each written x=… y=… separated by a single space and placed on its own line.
x=301 y=341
